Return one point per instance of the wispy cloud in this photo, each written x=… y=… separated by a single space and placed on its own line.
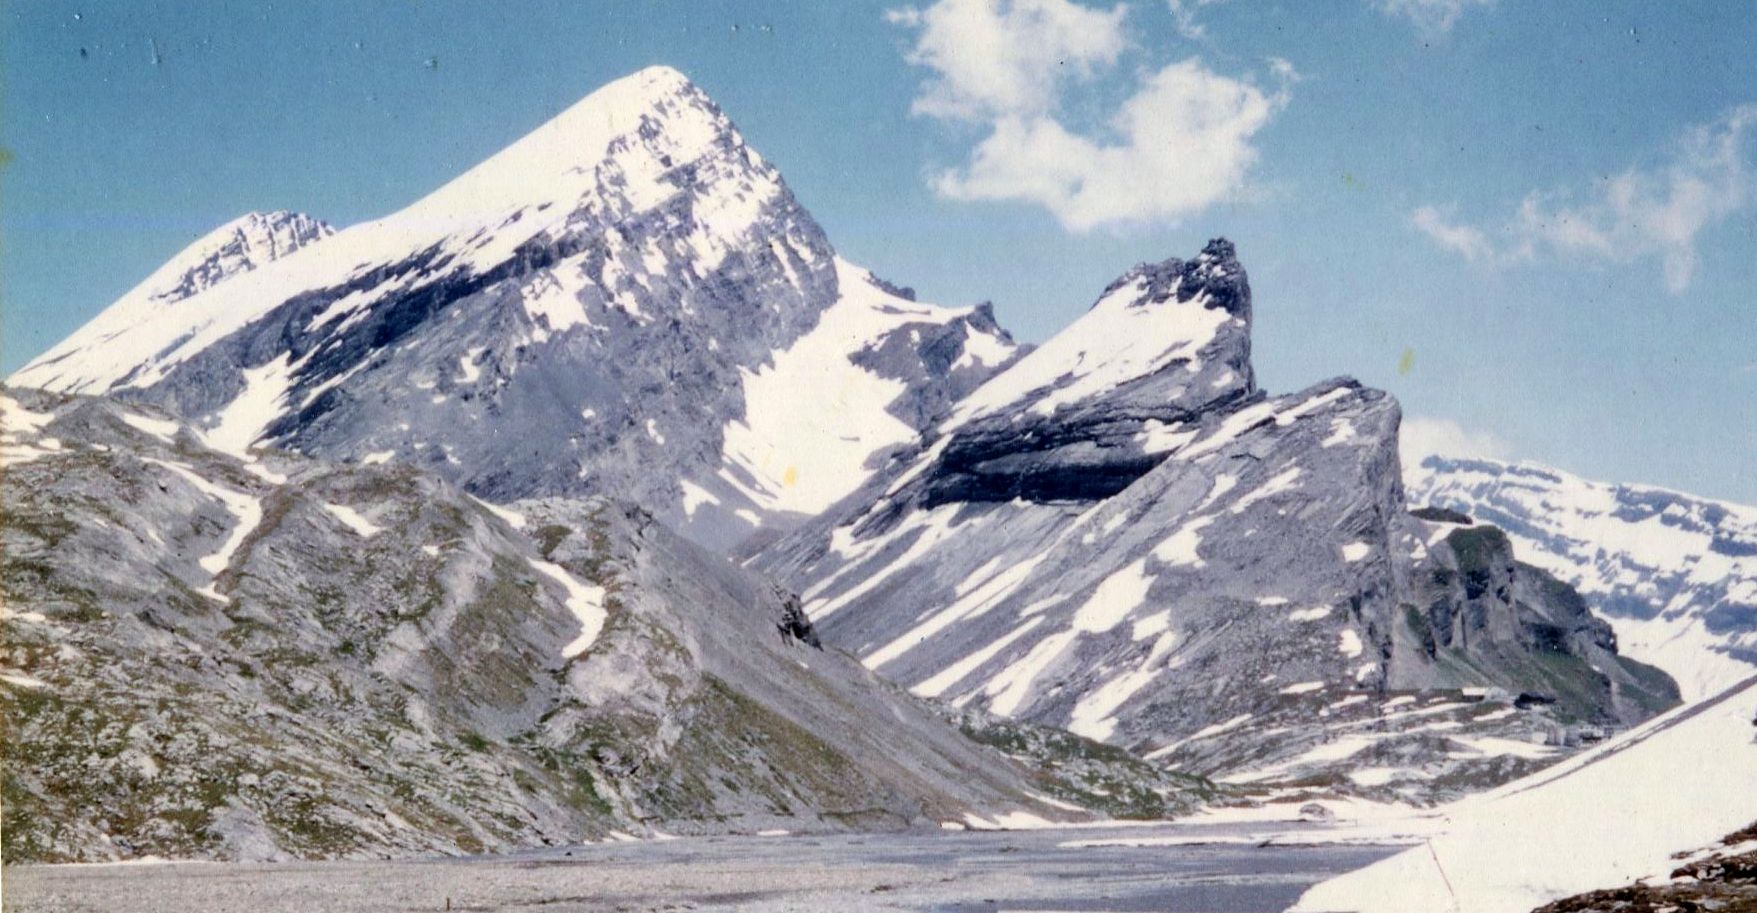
x=1431 y=16
x=1184 y=16
x=1424 y=436
x=1471 y=243
x=1642 y=213
x=1181 y=142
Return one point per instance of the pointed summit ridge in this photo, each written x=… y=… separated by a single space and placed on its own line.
x=1126 y=538
x=641 y=127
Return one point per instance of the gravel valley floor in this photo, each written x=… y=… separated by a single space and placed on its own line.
x=1221 y=870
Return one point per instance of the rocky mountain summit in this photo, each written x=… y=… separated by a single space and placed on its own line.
x=1675 y=574
x=628 y=300
x=1121 y=535
x=263 y=656
x=1068 y=422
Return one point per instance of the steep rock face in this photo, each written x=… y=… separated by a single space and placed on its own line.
x=1676 y=575
x=265 y=656
x=1478 y=617
x=628 y=300
x=1134 y=543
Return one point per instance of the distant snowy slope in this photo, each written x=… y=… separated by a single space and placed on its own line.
x=1675 y=574
x=1603 y=818
x=627 y=301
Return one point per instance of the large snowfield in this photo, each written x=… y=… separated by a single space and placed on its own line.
x=1602 y=819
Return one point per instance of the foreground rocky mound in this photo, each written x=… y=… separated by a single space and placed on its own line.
x=1719 y=879
x=627 y=301
x=1122 y=535
x=261 y=656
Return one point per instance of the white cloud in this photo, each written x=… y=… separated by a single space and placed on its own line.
x=1181 y=142
x=1423 y=436
x=1470 y=242
x=1641 y=213
x=1432 y=16
x=1007 y=57
x=1185 y=145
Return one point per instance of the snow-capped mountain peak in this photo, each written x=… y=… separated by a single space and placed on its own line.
x=628 y=299
x=633 y=147
x=1099 y=403
x=628 y=146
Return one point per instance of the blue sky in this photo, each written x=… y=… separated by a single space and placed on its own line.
x=1536 y=223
